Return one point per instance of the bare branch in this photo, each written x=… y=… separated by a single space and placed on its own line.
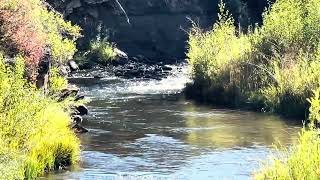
x=124 y=12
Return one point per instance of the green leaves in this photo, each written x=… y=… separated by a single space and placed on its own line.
x=102 y=50
x=34 y=129
x=27 y=27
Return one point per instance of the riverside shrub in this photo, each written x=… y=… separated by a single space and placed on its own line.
x=27 y=27
x=271 y=68
x=102 y=50
x=34 y=129
x=35 y=134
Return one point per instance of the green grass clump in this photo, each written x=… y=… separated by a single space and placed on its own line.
x=271 y=68
x=34 y=129
x=302 y=160
x=102 y=51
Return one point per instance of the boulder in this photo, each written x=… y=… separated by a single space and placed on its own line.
x=120 y=53
x=73 y=65
x=70 y=91
x=64 y=70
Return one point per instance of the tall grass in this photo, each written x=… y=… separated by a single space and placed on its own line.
x=34 y=129
x=271 y=68
x=301 y=161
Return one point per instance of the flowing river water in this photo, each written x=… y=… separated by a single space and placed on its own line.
x=145 y=129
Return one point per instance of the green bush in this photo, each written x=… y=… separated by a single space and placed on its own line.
x=28 y=26
x=57 y=82
x=102 y=51
x=34 y=129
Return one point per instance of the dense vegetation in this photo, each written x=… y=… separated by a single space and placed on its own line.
x=34 y=128
x=34 y=132
x=100 y=51
x=274 y=67
x=27 y=27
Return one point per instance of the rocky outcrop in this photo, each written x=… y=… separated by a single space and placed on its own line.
x=157 y=28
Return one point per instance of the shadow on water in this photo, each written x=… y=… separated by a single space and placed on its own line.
x=145 y=129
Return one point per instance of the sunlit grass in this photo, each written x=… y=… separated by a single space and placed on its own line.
x=273 y=68
x=34 y=129
x=102 y=50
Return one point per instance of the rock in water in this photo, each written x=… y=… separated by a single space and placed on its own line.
x=122 y=57
x=120 y=53
x=70 y=91
x=79 y=97
x=77 y=119
x=73 y=65
x=64 y=70
x=82 y=110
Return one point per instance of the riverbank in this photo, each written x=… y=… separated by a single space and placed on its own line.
x=301 y=160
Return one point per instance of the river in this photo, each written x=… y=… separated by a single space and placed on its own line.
x=145 y=129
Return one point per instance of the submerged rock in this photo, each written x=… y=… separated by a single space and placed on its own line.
x=141 y=67
x=166 y=68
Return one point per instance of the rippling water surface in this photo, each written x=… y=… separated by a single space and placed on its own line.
x=145 y=129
